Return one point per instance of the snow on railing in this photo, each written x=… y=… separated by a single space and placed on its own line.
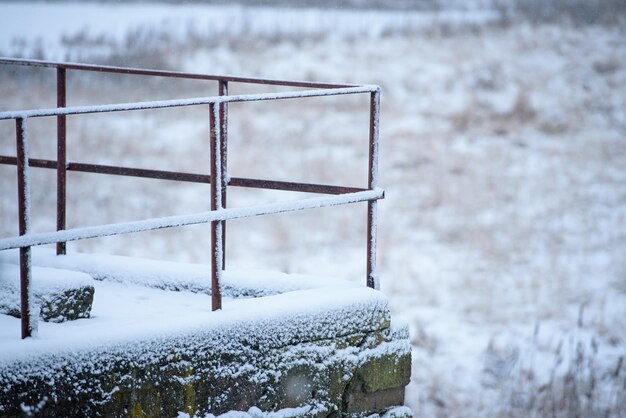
x=218 y=178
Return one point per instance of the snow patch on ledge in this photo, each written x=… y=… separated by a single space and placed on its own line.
x=169 y=275
x=129 y=310
x=44 y=280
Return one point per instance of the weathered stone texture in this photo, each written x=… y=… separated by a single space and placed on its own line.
x=354 y=375
x=54 y=306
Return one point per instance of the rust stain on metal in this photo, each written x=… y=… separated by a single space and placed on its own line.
x=61 y=158
x=23 y=191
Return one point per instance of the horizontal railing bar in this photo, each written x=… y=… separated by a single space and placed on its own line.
x=119 y=107
x=188 y=177
x=76 y=234
x=292 y=186
x=32 y=162
x=139 y=172
x=114 y=170
x=174 y=74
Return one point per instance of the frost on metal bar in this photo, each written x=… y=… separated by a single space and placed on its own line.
x=192 y=219
x=217 y=249
x=28 y=316
x=372 y=206
x=160 y=104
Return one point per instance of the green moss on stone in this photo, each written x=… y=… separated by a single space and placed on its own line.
x=136 y=411
x=189 y=392
x=385 y=372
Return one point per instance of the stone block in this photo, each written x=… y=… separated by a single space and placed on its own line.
x=60 y=295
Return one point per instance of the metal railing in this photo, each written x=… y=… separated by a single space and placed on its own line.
x=218 y=178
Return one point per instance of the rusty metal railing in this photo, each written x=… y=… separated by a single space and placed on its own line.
x=218 y=178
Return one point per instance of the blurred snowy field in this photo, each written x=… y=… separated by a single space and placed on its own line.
x=503 y=156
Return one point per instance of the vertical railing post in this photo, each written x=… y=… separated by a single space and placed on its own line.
x=28 y=318
x=216 y=203
x=223 y=121
x=372 y=205
x=61 y=158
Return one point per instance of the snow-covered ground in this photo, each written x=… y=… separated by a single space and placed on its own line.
x=502 y=154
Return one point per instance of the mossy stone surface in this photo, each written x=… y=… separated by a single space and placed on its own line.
x=385 y=372
x=69 y=305
x=358 y=373
x=59 y=306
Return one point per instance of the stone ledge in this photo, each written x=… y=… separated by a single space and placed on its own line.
x=175 y=276
x=61 y=295
x=217 y=371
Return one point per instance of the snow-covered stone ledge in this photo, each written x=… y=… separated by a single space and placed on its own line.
x=303 y=351
x=60 y=295
x=169 y=275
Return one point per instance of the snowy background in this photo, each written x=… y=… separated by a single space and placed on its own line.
x=503 y=156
